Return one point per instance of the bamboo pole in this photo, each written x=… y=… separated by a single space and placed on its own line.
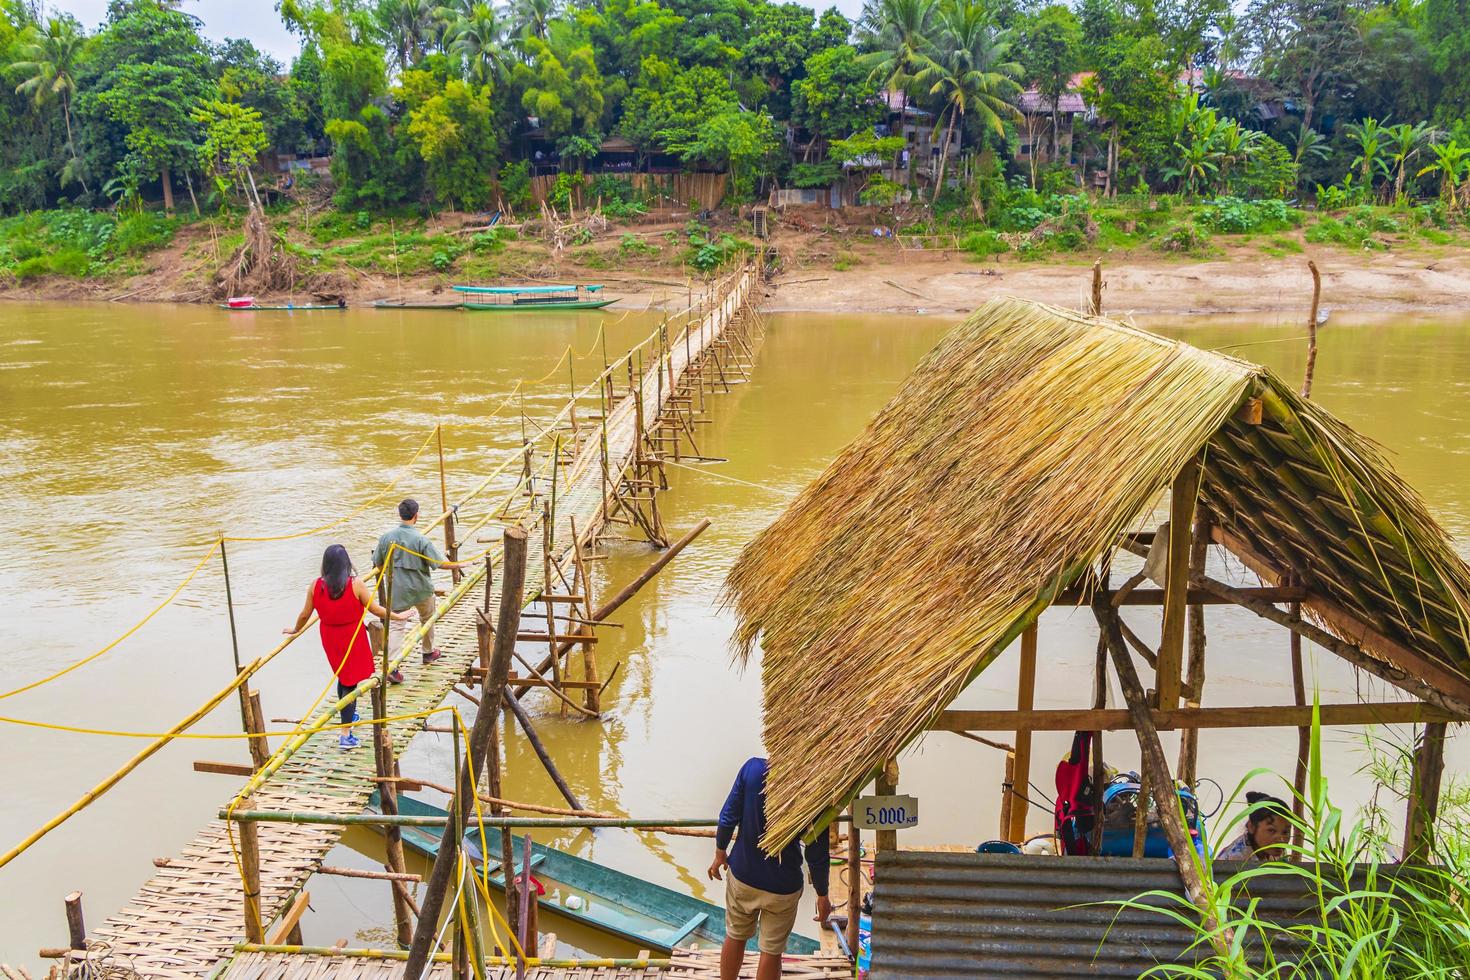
x=1156 y=769
x=593 y=696
x=1195 y=668
x=1025 y=701
x=539 y=748
x=1303 y=733
x=654 y=963
x=1176 y=586
x=1312 y=330
x=1097 y=288
x=467 y=776
x=250 y=873
x=95 y=792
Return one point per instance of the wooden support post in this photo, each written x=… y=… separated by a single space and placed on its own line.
x=1097 y=288
x=1155 y=769
x=468 y=774
x=546 y=588
x=593 y=696
x=1424 y=787
x=1140 y=815
x=75 y=927
x=1025 y=701
x=887 y=785
x=451 y=546
x=1312 y=329
x=1199 y=543
x=854 y=879
x=1176 y=586
x=260 y=751
x=250 y=869
x=1303 y=734
x=1007 y=796
x=392 y=836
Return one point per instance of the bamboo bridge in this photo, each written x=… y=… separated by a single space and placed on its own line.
x=578 y=475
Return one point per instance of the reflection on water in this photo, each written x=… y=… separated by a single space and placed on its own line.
x=131 y=435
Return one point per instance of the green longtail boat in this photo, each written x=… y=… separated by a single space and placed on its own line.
x=523 y=298
x=393 y=304
x=649 y=916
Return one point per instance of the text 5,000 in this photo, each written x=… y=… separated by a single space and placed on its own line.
x=886 y=814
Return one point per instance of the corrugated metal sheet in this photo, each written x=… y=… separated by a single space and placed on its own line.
x=948 y=914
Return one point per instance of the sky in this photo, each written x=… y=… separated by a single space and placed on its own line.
x=258 y=20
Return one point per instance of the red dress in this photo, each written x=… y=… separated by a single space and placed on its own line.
x=340 y=620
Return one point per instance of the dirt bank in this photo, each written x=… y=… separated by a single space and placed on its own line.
x=840 y=271
x=1244 y=282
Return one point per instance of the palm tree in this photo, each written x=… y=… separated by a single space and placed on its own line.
x=477 y=38
x=1451 y=160
x=406 y=28
x=967 y=69
x=1236 y=145
x=1404 y=143
x=49 y=59
x=903 y=35
x=1371 y=137
x=532 y=18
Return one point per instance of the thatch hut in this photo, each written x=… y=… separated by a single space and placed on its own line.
x=1002 y=477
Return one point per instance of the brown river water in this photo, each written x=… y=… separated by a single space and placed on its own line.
x=131 y=435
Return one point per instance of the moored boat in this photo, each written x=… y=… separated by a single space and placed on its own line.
x=623 y=905
x=393 y=304
x=557 y=297
x=252 y=306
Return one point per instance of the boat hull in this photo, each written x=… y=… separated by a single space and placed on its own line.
x=618 y=904
x=386 y=305
x=291 y=309
x=590 y=304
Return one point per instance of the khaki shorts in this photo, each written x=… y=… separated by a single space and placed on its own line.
x=745 y=905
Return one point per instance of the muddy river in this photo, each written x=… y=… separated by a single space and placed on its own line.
x=131 y=435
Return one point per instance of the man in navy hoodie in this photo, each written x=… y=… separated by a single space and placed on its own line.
x=763 y=891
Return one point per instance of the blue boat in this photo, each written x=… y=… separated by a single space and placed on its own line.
x=492 y=298
x=649 y=916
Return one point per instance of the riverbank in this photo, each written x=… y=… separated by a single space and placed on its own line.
x=652 y=263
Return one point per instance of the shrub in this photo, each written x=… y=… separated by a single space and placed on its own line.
x=1232 y=215
x=441 y=260
x=515 y=185
x=137 y=233
x=489 y=240
x=67 y=262
x=1182 y=238
x=631 y=245
x=984 y=243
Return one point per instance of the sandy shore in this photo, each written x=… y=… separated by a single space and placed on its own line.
x=882 y=280
x=1244 y=283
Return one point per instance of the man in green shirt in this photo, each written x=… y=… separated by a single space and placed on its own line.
x=413 y=559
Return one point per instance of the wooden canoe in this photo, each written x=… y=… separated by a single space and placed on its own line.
x=649 y=916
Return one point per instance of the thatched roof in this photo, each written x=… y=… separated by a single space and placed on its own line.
x=1020 y=448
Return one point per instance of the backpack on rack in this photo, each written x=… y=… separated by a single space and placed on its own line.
x=1075 y=813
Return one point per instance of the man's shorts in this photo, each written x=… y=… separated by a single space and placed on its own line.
x=745 y=905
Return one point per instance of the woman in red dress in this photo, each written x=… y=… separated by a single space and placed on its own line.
x=340 y=600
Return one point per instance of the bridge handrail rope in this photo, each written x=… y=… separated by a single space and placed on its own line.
x=259 y=539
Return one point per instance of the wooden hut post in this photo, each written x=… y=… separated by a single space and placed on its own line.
x=1097 y=288
x=1303 y=733
x=75 y=927
x=260 y=751
x=1195 y=665
x=1025 y=701
x=467 y=777
x=1007 y=795
x=887 y=785
x=1156 y=770
x=1176 y=586
x=1424 y=787
x=250 y=871
x=854 y=879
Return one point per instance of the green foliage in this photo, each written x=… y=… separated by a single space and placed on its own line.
x=234 y=136
x=706 y=253
x=1269 y=171
x=560 y=85
x=561 y=196
x=78 y=243
x=1183 y=238
x=633 y=246
x=1234 y=216
x=982 y=244
x=837 y=97
x=453 y=132
x=823 y=174
x=732 y=140
x=515 y=184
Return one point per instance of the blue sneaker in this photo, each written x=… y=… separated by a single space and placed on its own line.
x=348 y=741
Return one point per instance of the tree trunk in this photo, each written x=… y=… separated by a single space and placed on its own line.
x=168 y=190
x=1056 y=132
x=189 y=183
x=943 y=155
x=70 y=142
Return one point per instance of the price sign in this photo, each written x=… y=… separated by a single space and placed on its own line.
x=886 y=812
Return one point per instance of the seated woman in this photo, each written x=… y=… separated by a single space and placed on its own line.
x=340 y=600
x=1267 y=829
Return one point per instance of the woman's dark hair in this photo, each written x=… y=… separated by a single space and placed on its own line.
x=1263 y=805
x=336 y=570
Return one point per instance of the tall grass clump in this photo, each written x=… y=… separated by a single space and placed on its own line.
x=1366 y=918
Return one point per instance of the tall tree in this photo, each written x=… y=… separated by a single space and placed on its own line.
x=837 y=97
x=1310 y=48
x=152 y=71
x=477 y=39
x=1052 y=41
x=48 y=63
x=967 y=70
x=407 y=28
